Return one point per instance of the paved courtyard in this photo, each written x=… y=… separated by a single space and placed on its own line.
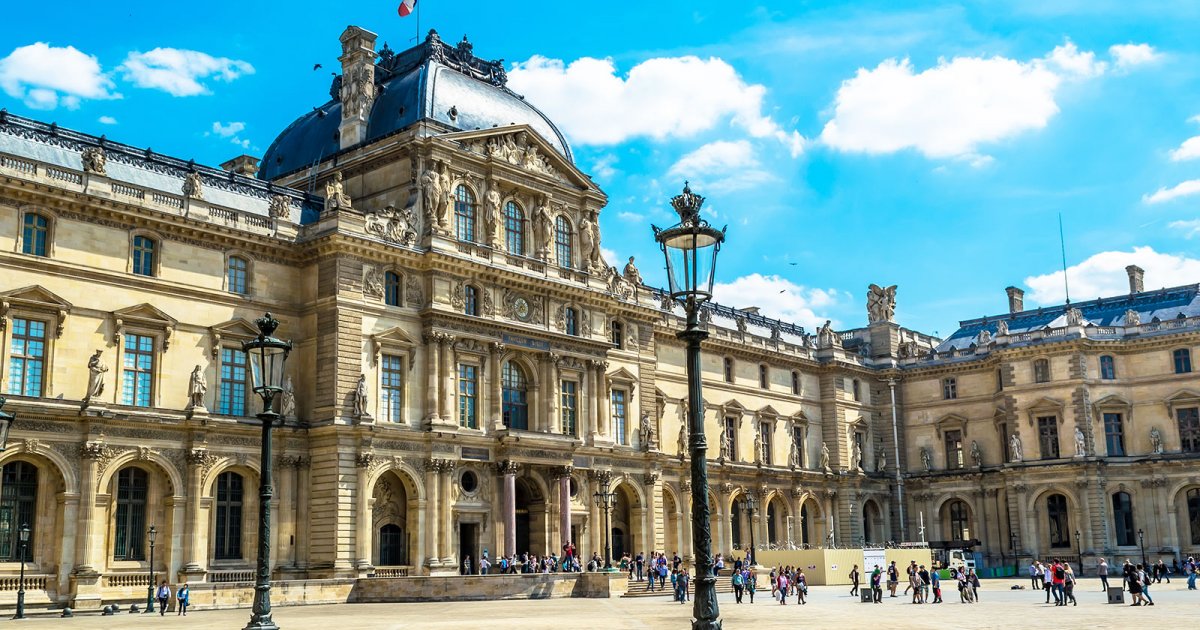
x=828 y=607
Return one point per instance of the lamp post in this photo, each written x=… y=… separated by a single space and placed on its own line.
x=266 y=356
x=1079 y=551
x=1142 y=544
x=151 y=535
x=23 y=533
x=691 y=248
x=604 y=499
x=750 y=505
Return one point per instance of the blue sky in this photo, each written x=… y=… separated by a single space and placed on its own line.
x=929 y=145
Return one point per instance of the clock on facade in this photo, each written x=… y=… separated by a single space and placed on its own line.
x=521 y=308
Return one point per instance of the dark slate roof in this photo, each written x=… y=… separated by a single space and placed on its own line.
x=1160 y=305
x=425 y=82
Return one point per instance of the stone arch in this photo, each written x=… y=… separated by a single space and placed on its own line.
x=246 y=467
x=164 y=486
x=144 y=458
x=1189 y=527
x=48 y=518
x=66 y=475
x=1039 y=511
x=673 y=515
x=407 y=474
x=777 y=515
x=810 y=521
x=248 y=505
x=872 y=522
x=527 y=365
x=626 y=526
x=944 y=517
x=394 y=518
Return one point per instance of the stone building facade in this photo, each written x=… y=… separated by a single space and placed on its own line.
x=467 y=368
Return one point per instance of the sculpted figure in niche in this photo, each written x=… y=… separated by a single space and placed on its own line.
x=856 y=456
x=758 y=447
x=94 y=160
x=825 y=457
x=976 y=456
x=431 y=195
x=1014 y=445
x=335 y=194
x=443 y=202
x=1080 y=443
x=683 y=440
x=881 y=303
x=197 y=387
x=1156 y=442
x=880 y=459
x=589 y=241
x=96 y=370
x=491 y=214
x=287 y=400
x=794 y=455
x=644 y=431
x=926 y=459
x=726 y=446
x=543 y=227
x=360 y=397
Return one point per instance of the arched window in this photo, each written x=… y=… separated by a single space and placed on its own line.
x=393 y=549
x=236 y=275
x=562 y=241
x=144 y=252
x=958 y=520
x=1059 y=525
x=464 y=213
x=130 y=530
x=1193 y=513
x=470 y=300
x=618 y=335
x=515 y=396
x=35 y=237
x=18 y=506
x=735 y=523
x=1041 y=371
x=1108 y=369
x=1123 y=519
x=514 y=228
x=228 y=537
x=391 y=288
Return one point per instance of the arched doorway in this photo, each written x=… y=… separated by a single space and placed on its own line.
x=1058 y=524
x=777 y=533
x=531 y=518
x=872 y=519
x=393 y=520
x=671 y=522
x=810 y=531
x=956 y=520
x=625 y=532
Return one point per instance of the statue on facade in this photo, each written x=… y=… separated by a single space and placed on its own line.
x=543 y=227
x=1074 y=317
x=431 y=195
x=758 y=447
x=825 y=458
x=976 y=456
x=443 y=202
x=96 y=370
x=856 y=456
x=926 y=459
x=94 y=160
x=985 y=338
x=279 y=207
x=726 y=446
x=335 y=194
x=1080 y=443
x=193 y=186
x=360 y=397
x=1014 y=445
x=1156 y=441
x=1002 y=328
x=1133 y=318
x=287 y=399
x=589 y=242
x=358 y=93
x=644 y=431
x=632 y=274
x=683 y=440
x=826 y=337
x=197 y=387
x=392 y=224
x=881 y=303
x=491 y=215
x=880 y=459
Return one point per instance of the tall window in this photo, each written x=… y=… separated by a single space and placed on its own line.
x=391 y=288
x=27 y=357
x=470 y=300
x=731 y=433
x=1183 y=360
x=954 y=449
x=236 y=271
x=1108 y=370
x=1048 y=436
x=1041 y=371
x=618 y=335
x=143 y=255
x=569 y=406
x=805 y=523
x=464 y=213
x=1193 y=512
x=514 y=229
x=515 y=396
x=1189 y=429
x=468 y=397
x=795 y=383
x=18 y=504
x=856 y=388
x=798 y=441
x=562 y=241
x=764 y=430
x=1123 y=519
x=130 y=528
x=391 y=388
x=35 y=230
x=235 y=383
x=958 y=520
x=949 y=388
x=728 y=367
x=1005 y=449
x=228 y=538
x=763 y=379
x=571 y=317
x=1114 y=434
x=620 y=414
x=1056 y=513
x=138 y=370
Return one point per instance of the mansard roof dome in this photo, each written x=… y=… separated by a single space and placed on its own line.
x=432 y=81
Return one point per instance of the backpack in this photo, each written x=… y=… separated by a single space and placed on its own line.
x=1059 y=573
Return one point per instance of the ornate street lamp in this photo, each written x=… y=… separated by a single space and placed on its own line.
x=1079 y=551
x=266 y=356
x=23 y=533
x=6 y=422
x=691 y=248
x=151 y=535
x=1142 y=544
x=750 y=505
x=604 y=499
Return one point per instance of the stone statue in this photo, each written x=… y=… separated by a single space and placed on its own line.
x=632 y=274
x=589 y=242
x=1074 y=317
x=976 y=456
x=1156 y=443
x=683 y=440
x=926 y=459
x=1002 y=328
x=398 y=226
x=985 y=338
x=287 y=400
x=1133 y=318
x=826 y=337
x=1080 y=443
x=94 y=160
x=881 y=303
x=741 y=324
x=335 y=195
x=431 y=195
x=360 y=397
x=193 y=186
x=279 y=207
x=96 y=370
x=443 y=202
x=543 y=227
x=644 y=431
x=758 y=447
x=197 y=387
x=726 y=446
x=1014 y=445
x=880 y=459
x=856 y=456
x=358 y=93
x=825 y=457
x=491 y=216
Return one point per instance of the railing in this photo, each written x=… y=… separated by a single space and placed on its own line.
x=221 y=577
x=19 y=165
x=128 y=191
x=167 y=200
x=126 y=579
x=66 y=176
x=228 y=216
x=257 y=221
x=390 y=572
x=32 y=582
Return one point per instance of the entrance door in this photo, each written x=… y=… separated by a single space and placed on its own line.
x=392 y=547
x=618 y=543
x=467 y=546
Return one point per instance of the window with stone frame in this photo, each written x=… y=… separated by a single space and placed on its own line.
x=514 y=228
x=237 y=274
x=731 y=423
x=727 y=367
x=35 y=234
x=235 y=383
x=795 y=383
x=949 y=388
x=144 y=256
x=137 y=370
x=856 y=387
x=514 y=395
x=227 y=539
x=468 y=396
x=571 y=321
x=563 y=248
x=1122 y=506
x=391 y=388
x=798 y=441
x=27 y=357
x=18 y=506
x=1059 y=525
x=764 y=381
x=1041 y=371
x=470 y=300
x=620 y=416
x=617 y=330
x=1114 y=434
x=1189 y=429
x=1182 y=358
x=1108 y=368
x=129 y=531
x=1193 y=514
x=391 y=288
x=1005 y=451
x=764 y=431
x=959 y=520
x=464 y=213
x=569 y=407
x=954 y=449
x=1048 y=436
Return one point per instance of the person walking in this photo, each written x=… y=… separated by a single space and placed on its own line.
x=1191 y=570
x=914 y=583
x=1069 y=587
x=181 y=600
x=973 y=582
x=1057 y=577
x=935 y=581
x=1134 y=584
x=854 y=581
x=1145 y=578
x=783 y=588
x=1047 y=580
x=893 y=578
x=1035 y=575
x=1102 y=571
x=164 y=596
x=738 y=586
x=801 y=587
x=751 y=581
x=877 y=585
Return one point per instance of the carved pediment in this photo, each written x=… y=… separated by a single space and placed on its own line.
x=35 y=298
x=623 y=375
x=520 y=146
x=396 y=339
x=1113 y=401
x=145 y=315
x=950 y=422
x=1182 y=398
x=1045 y=407
x=239 y=329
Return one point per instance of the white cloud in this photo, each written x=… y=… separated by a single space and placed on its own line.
x=106 y=120
x=1190 y=149
x=953 y=108
x=1190 y=228
x=609 y=256
x=721 y=166
x=777 y=297
x=603 y=166
x=180 y=72
x=664 y=97
x=231 y=132
x=45 y=76
x=1103 y=275
x=1182 y=189
x=1129 y=55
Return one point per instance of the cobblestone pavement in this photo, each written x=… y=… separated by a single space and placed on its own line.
x=828 y=607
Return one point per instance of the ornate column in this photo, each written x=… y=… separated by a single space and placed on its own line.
x=655 y=536
x=553 y=392
x=1025 y=536
x=433 y=352
x=446 y=495
x=603 y=421
x=449 y=371
x=85 y=580
x=362 y=515
x=508 y=468
x=686 y=522
x=495 y=385
x=562 y=476
x=431 y=513
x=198 y=459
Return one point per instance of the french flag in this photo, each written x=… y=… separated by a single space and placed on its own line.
x=406 y=7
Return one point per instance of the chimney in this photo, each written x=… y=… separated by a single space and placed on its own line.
x=358 y=84
x=242 y=165
x=1016 y=299
x=1136 y=274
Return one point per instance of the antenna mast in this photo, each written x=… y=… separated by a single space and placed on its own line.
x=1062 y=242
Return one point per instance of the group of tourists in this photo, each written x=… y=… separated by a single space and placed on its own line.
x=527 y=563
x=787 y=581
x=1057 y=578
